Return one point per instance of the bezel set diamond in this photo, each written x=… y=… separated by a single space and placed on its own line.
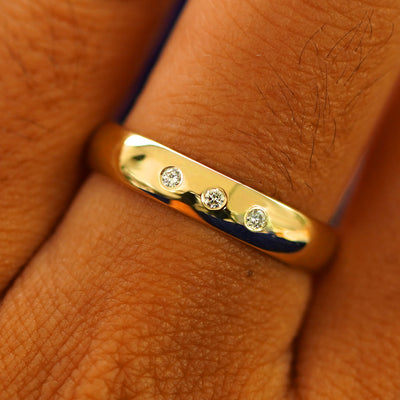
x=215 y=198
x=171 y=177
x=255 y=219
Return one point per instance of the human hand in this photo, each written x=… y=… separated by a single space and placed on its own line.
x=128 y=299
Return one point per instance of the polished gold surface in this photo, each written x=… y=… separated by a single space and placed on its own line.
x=211 y=197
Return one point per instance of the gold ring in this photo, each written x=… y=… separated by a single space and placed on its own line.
x=212 y=198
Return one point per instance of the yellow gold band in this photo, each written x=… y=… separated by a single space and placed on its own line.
x=211 y=197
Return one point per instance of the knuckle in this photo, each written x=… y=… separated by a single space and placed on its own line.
x=287 y=94
x=120 y=315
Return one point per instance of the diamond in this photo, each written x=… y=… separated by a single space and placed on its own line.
x=214 y=199
x=255 y=219
x=171 y=177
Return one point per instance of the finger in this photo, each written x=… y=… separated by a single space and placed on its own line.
x=172 y=309
x=65 y=66
x=352 y=334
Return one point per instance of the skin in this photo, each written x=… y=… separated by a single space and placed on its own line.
x=283 y=96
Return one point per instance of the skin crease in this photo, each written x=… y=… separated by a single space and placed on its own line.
x=110 y=309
